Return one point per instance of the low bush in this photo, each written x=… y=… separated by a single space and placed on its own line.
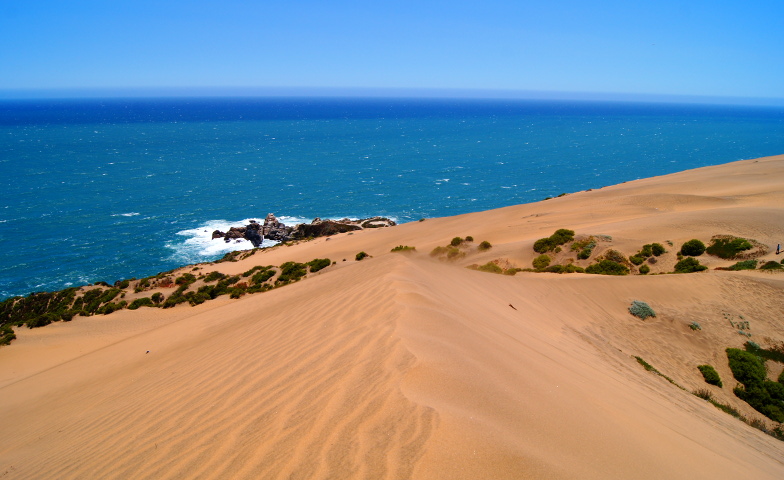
x=693 y=248
x=710 y=375
x=563 y=269
x=293 y=271
x=771 y=265
x=584 y=248
x=361 y=255
x=262 y=276
x=560 y=237
x=641 y=310
x=695 y=326
x=490 y=267
x=607 y=267
x=185 y=279
x=485 y=245
x=645 y=269
x=541 y=262
x=760 y=393
x=403 y=248
x=141 y=302
x=469 y=238
x=729 y=247
x=318 y=264
x=214 y=276
x=657 y=249
x=157 y=297
x=689 y=265
x=456 y=241
x=637 y=259
x=743 y=265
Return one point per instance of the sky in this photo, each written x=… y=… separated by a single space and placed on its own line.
x=716 y=48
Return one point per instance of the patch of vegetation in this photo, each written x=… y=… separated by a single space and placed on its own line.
x=469 y=238
x=645 y=269
x=728 y=247
x=361 y=255
x=742 y=265
x=141 y=302
x=710 y=375
x=490 y=267
x=695 y=326
x=451 y=253
x=185 y=279
x=776 y=353
x=657 y=249
x=761 y=394
x=214 y=276
x=689 y=265
x=292 y=271
x=318 y=264
x=262 y=275
x=771 y=265
x=403 y=248
x=641 y=310
x=485 y=245
x=692 y=248
x=541 y=262
x=569 y=268
x=607 y=267
x=456 y=241
x=560 y=237
x=584 y=248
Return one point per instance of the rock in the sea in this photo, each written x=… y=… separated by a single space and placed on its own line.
x=217 y=234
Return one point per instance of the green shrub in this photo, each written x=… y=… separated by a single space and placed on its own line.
x=438 y=251
x=641 y=310
x=637 y=259
x=490 y=267
x=657 y=249
x=689 y=265
x=728 y=247
x=122 y=284
x=456 y=241
x=541 y=262
x=710 y=375
x=157 y=297
x=771 y=265
x=693 y=248
x=469 y=238
x=584 y=248
x=262 y=276
x=560 y=237
x=403 y=248
x=185 y=279
x=141 y=302
x=614 y=256
x=361 y=255
x=563 y=269
x=746 y=367
x=485 y=245
x=645 y=269
x=695 y=326
x=213 y=276
x=318 y=264
x=607 y=267
x=293 y=271
x=744 y=265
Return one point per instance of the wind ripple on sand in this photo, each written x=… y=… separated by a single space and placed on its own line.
x=309 y=390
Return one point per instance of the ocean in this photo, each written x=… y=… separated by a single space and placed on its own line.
x=101 y=190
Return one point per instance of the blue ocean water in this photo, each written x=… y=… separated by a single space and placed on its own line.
x=108 y=189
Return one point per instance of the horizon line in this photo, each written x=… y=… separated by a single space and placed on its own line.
x=370 y=92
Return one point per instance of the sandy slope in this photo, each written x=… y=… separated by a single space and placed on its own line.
x=401 y=366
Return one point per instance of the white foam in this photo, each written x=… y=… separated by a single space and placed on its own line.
x=129 y=214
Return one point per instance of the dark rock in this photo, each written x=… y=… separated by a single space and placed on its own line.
x=217 y=234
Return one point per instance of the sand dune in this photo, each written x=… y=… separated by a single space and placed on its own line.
x=401 y=366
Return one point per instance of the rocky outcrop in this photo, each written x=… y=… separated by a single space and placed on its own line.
x=273 y=229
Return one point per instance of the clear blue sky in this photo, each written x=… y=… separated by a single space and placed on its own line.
x=664 y=47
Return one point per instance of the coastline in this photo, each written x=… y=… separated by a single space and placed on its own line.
x=404 y=365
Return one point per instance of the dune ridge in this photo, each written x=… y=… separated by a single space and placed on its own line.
x=402 y=366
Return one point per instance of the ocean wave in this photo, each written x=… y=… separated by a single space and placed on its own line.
x=129 y=214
